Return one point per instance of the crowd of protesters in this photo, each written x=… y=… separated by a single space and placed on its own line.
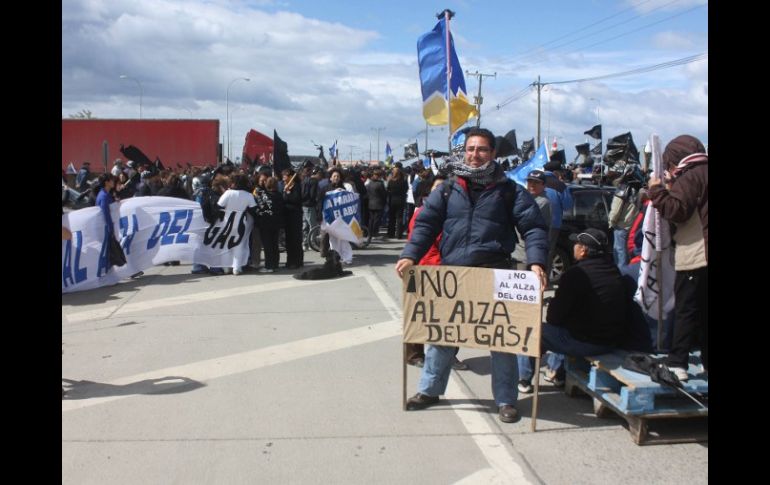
x=284 y=206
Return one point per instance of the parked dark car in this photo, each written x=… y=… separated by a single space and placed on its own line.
x=591 y=208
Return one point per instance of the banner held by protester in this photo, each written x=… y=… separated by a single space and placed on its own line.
x=341 y=219
x=482 y=308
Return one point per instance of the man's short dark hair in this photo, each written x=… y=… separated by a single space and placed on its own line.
x=483 y=132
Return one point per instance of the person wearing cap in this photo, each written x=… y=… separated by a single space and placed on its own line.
x=589 y=312
x=536 y=187
x=478 y=231
x=684 y=201
x=561 y=200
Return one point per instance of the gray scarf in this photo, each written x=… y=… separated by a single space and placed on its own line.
x=482 y=175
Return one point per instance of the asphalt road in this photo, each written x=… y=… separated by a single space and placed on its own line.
x=261 y=378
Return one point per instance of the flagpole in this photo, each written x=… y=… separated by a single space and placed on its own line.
x=448 y=14
x=538 y=108
x=658 y=167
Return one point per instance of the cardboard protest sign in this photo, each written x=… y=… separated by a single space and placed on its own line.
x=493 y=309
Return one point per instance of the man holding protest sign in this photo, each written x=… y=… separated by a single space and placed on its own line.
x=477 y=211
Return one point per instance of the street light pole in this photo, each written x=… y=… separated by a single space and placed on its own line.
x=141 y=91
x=378 y=141
x=227 y=106
x=230 y=125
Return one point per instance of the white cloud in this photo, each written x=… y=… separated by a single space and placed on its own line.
x=679 y=41
x=664 y=5
x=320 y=81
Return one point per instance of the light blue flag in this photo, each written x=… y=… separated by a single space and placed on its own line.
x=519 y=174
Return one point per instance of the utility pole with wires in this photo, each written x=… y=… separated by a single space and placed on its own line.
x=378 y=130
x=539 y=86
x=479 y=99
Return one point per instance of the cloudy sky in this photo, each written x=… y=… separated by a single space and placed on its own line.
x=340 y=69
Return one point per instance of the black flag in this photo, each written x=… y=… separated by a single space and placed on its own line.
x=583 y=149
x=280 y=154
x=503 y=147
x=133 y=153
x=597 y=150
x=511 y=137
x=527 y=147
x=583 y=154
x=411 y=151
x=559 y=156
x=321 y=157
x=595 y=132
x=621 y=147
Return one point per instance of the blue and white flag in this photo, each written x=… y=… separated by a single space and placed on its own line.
x=458 y=141
x=432 y=60
x=538 y=160
x=151 y=231
x=388 y=152
x=342 y=221
x=333 y=150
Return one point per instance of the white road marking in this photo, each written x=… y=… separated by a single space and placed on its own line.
x=487 y=476
x=116 y=310
x=228 y=365
x=382 y=293
x=488 y=440
x=504 y=468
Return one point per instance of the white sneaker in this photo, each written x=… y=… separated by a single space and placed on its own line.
x=525 y=387
x=680 y=373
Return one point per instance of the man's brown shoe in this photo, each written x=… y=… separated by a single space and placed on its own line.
x=508 y=414
x=417 y=361
x=420 y=401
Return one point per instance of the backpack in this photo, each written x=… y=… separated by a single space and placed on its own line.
x=208 y=202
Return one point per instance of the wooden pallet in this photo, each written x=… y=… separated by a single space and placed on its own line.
x=635 y=397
